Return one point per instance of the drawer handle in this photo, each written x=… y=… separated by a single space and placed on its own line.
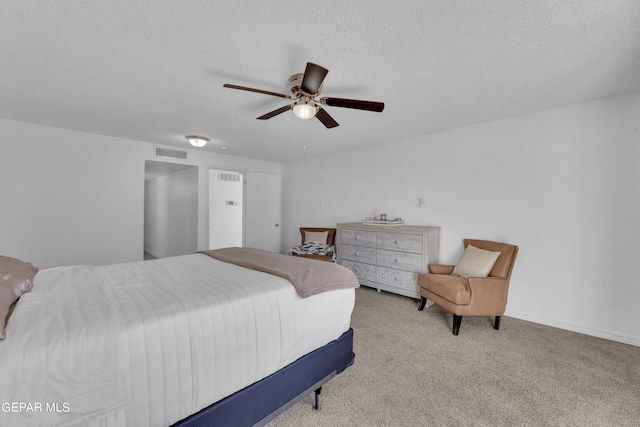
x=356 y=253
x=395 y=241
x=395 y=260
x=355 y=238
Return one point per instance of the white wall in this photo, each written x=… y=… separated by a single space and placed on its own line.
x=77 y=198
x=171 y=214
x=562 y=184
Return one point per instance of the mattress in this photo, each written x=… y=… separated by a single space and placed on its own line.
x=149 y=343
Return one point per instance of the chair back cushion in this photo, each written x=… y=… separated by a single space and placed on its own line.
x=305 y=233
x=504 y=263
x=316 y=236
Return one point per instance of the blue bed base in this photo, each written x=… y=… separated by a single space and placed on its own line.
x=263 y=401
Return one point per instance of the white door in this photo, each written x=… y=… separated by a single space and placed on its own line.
x=263 y=211
x=225 y=208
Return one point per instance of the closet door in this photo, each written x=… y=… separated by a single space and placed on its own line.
x=263 y=211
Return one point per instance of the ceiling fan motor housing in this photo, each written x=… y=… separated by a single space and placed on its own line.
x=295 y=83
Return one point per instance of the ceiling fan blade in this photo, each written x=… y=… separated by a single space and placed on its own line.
x=325 y=118
x=353 y=103
x=275 y=112
x=314 y=75
x=250 y=89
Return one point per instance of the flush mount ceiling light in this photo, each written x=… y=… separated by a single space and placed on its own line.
x=304 y=110
x=197 y=141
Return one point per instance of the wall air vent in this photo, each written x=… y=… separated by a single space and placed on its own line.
x=225 y=176
x=166 y=152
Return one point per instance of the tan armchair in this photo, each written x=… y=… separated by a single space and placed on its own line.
x=473 y=296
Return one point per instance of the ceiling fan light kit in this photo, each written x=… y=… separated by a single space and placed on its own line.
x=305 y=110
x=197 y=141
x=305 y=89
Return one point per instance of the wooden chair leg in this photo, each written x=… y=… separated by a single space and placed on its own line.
x=496 y=325
x=457 y=320
x=423 y=302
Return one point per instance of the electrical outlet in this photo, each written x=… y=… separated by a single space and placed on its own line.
x=422 y=202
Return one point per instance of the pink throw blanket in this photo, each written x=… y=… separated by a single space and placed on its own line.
x=308 y=276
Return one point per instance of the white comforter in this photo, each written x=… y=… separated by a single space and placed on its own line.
x=149 y=343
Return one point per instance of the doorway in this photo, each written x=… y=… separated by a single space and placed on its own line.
x=170 y=209
x=226 y=208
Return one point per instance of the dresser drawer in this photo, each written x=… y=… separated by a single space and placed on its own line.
x=358 y=238
x=358 y=253
x=399 y=260
x=398 y=278
x=400 y=242
x=362 y=271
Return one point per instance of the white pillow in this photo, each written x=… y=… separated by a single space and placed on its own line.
x=316 y=236
x=475 y=262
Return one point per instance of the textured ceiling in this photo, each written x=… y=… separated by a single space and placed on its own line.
x=153 y=70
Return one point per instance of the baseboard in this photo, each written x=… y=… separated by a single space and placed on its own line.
x=595 y=332
x=152 y=253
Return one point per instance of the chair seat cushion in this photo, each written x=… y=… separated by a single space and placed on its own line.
x=451 y=288
x=314 y=248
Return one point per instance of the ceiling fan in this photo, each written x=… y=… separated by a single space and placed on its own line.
x=305 y=89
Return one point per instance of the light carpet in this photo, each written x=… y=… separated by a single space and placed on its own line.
x=410 y=370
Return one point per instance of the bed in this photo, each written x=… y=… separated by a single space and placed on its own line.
x=225 y=337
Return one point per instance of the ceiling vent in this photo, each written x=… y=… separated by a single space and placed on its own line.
x=167 y=152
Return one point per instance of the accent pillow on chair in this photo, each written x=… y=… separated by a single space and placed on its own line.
x=475 y=262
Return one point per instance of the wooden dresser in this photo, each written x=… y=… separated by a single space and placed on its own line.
x=388 y=257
